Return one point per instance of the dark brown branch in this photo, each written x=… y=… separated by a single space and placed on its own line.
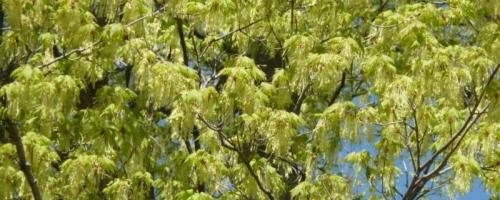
x=419 y=181
x=128 y=75
x=417 y=137
x=300 y=100
x=196 y=135
x=293 y=164
x=74 y=51
x=225 y=143
x=455 y=147
x=23 y=163
x=381 y=7
x=397 y=191
x=185 y=55
x=280 y=40
x=195 y=48
x=208 y=124
x=256 y=178
x=188 y=145
x=182 y=40
x=222 y=138
x=336 y=94
x=464 y=127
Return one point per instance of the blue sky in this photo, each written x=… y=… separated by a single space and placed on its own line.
x=477 y=192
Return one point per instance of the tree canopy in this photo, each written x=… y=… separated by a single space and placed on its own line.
x=248 y=99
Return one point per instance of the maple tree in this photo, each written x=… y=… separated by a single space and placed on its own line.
x=248 y=99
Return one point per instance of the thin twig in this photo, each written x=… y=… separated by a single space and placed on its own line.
x=229 y=34
x=389 y=123
x=146 y=16
x=409 y=150
x=472 y=25
x=74 y=51
x=417 y=136
x=82 y=49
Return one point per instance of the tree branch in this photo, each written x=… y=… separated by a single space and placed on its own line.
x=382 y=6
x=158 y=11
x=336 y=94
x=93 y=45
x=464 y=127
x=413 y=162
x=261 y=152
x=419 y=181
x=23 y=163
x=229 y=34
x=417 y=137
x=180 y=31
x=74 y=51
x=185 y=55
x=300 y=100
x=256 y=178
x=223 y=140
x=438 y=169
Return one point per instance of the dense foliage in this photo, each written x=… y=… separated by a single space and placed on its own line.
x=248 y=99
